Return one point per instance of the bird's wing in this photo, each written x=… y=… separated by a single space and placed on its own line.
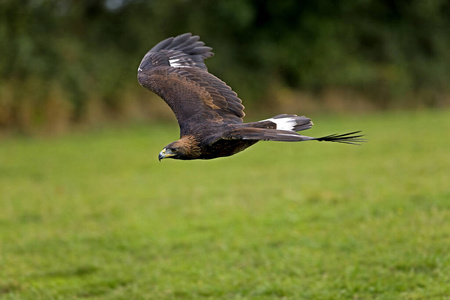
x=264 y=134
x=174 y=69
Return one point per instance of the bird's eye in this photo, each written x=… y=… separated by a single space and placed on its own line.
x=173 y=150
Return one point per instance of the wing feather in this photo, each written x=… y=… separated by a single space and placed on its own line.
x=267 y=134
x=175 y=70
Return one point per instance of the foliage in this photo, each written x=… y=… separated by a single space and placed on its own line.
x=88 y=51
x=96 y=216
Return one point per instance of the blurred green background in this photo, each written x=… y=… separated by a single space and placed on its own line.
x=92 y=214
x=74 y=62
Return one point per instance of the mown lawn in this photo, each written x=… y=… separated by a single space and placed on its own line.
x=96 y=216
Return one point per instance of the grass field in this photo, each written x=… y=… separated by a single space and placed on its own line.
x=96 y=216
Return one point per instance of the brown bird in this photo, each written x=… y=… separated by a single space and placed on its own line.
x=208 y=111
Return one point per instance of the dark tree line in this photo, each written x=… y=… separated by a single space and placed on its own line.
x=59 y=57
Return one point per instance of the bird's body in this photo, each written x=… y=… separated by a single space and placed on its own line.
x=209 y=113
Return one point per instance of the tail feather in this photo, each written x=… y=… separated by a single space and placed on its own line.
x=284 y=122
x=291 y=122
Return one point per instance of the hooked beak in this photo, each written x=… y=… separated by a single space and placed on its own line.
x=164 y=154
x=161 y=154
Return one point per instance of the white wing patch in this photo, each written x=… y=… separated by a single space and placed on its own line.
x=175 y=62
x=287 y=123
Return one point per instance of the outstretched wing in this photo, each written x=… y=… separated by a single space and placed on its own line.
x=174 y=69
x=264 y=134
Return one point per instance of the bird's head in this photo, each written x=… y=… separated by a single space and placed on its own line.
x=170 y=151
x=181 y=149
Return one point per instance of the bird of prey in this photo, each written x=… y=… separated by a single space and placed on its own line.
x=208 y=111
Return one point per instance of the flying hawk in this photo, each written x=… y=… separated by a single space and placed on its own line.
x=208 y=111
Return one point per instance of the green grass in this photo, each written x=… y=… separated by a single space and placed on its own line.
x=96 y=216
